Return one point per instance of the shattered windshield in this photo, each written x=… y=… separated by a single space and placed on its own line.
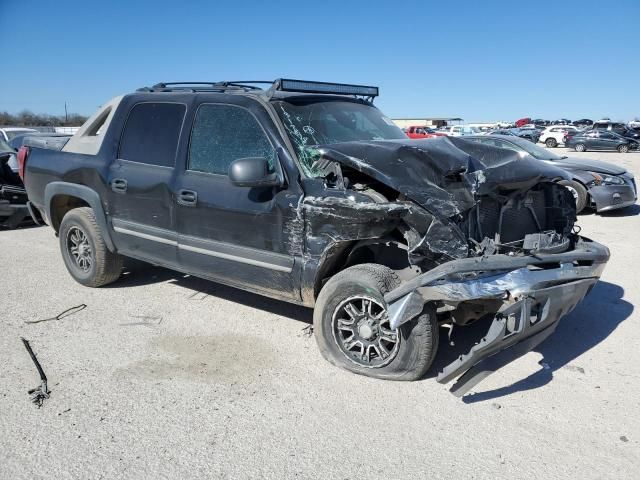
x=311 y=122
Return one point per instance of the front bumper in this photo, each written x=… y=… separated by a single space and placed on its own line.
x=12 y=214
x=13 y=208
x=611 y=197
x=534 y=292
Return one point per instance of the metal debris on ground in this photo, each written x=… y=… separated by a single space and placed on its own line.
x=61 y=315
x=41 y=393
x=307 y=331
x=146 y=320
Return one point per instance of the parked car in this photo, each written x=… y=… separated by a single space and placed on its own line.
x=528 y=134
x=7 y=133
x=19 y=140
x=523 y=121
x=562 y=121
x=599 y=140
x=554 y=135
x=634 y=124
x=582 y=123
x=600 y=185
x=457 y=131
x=422 y=132
x=539 y=122
x=13 y=198
x=617 y=127
x=319 y=199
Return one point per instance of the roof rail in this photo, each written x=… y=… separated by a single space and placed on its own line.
x=281 y=84
x=205 y=86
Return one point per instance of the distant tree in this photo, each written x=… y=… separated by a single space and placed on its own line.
x=26 y=118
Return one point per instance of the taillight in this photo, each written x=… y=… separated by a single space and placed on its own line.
x=23 y=153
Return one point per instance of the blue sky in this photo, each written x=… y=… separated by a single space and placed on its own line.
x=483 y=61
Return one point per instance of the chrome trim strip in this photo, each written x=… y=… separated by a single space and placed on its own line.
x=215 y=248
x=235 y=258
x=146 y=236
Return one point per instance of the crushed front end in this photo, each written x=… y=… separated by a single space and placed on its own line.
x=526 y=294
x=488 y=235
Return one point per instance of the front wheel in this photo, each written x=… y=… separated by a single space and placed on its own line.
x=551 y=142
x=84 y=251
x=353 y=332
x=579 y=192
x=623 y=148
x=580 y=147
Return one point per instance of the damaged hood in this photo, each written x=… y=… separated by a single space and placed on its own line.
x=444 y=175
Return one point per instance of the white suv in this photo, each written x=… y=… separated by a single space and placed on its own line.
x=553 y=135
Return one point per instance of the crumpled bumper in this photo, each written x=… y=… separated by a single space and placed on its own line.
x=535 y=292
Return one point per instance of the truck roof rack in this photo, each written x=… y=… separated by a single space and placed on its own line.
x=280 y=84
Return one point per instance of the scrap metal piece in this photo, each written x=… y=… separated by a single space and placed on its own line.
x=41 y=393
x=61 y=315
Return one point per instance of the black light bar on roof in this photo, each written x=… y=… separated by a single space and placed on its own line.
x=304 y=86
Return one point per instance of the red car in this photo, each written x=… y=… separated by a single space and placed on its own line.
x=422 y=132
x=522 y=122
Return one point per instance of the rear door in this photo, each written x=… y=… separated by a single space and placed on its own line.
x=592 y=140
x=242 y=236
x=141 y=204
x=608 y=141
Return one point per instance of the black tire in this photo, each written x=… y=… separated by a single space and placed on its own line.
x=551 y=142
x=97 y=265
x=580 y=147
x=417 y=339
x=623 y=148
x=579 y=193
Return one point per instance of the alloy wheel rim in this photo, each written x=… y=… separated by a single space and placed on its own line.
x=79 y=249
x=573 y=191
x=362 y=331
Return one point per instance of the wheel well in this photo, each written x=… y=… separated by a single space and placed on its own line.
x=389 y=252
x=60 y=205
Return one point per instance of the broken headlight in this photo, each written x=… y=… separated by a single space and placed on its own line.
x=606 y=179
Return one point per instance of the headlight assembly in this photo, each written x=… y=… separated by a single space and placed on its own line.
x=606 y=179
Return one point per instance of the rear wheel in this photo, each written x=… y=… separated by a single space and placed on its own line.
x=551 y=142
x=579 y=193
x=623 y=148
x=580 y=147
x=84 y=251
x=352 y=327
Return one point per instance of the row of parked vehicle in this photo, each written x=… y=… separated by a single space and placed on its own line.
x=601 y=135
x=598 y=185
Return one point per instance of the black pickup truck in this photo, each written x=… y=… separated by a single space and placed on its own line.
x=305 y=192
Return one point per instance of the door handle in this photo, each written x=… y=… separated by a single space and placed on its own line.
x=188 y=198
x=119 y=185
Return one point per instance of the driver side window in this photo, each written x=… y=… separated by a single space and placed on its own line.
x=224 y=133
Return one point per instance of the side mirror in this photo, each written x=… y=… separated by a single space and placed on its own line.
x=253 y=172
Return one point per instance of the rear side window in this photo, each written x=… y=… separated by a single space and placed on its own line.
x=151 y=133
x=224 y=133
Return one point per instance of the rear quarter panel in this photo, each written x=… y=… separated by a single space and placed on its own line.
x=46 y=166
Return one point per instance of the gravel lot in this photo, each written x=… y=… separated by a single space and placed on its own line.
x=168 y=376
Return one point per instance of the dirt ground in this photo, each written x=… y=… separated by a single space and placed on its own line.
x=169 y=376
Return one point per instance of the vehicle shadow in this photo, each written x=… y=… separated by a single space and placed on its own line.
x=139 y=274
x=629 y=211
x=592 y=321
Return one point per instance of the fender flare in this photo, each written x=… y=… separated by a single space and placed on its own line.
x=84 y=193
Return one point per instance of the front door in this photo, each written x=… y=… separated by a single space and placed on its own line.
x=141 y=206
x=242 y=236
